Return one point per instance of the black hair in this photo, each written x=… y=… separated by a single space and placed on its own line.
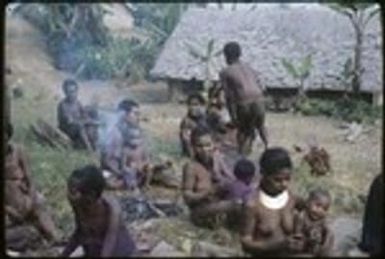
x=244 y=169
x=90 y=179
x=232 y=50
x=199 y=132
x=319 y=192
x=9 y=130
x=127 y=105
x=273 y=160
x=69 y=82
x=197 y=97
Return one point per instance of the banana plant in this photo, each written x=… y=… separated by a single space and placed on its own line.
x=299 y=73
x=205 y=57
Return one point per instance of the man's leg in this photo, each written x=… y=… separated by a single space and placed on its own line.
x=263 y=134
x=259 y=115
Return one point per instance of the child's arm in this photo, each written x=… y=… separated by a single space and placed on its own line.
x=326 y=248
x=297 y=238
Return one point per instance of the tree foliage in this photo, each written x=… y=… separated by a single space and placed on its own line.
x=359 y=14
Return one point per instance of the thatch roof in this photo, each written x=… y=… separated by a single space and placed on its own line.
x=266 y=36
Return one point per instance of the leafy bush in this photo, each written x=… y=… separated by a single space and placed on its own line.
x=344 y=109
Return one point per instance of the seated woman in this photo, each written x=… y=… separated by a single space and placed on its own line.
x=204 y=177
x=194 y=118
x=99 y=228
x=268 y=216
x=23 y=203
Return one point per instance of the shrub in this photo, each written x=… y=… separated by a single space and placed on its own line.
x=344 y=109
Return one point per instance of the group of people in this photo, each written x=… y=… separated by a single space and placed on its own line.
x=254 y=200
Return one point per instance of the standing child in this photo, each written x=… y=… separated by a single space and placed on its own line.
x=310 y=227
x=99 y=228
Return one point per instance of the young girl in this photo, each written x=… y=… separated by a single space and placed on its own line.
x=269 y=215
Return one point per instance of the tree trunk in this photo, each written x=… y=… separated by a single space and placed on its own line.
x=357 y=69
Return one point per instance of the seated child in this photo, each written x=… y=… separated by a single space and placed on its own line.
x=99 y=228
x=241 y=188
x=136 y=162
x=310 y=226
x=195 y=118
x=239 y=191
x=138 y=171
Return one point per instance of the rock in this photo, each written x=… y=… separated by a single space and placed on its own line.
x=79 y=252
x=187 y=246
x=204 y=249
x=163 y=249
x=11 y=253
x=347 y=232
x=354 y=131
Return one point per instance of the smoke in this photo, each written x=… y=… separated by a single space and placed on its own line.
x=108 y=119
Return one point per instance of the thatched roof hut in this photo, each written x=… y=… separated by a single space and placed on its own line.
x=266 y=36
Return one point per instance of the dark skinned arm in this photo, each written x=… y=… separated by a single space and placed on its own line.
x=73 y=243
x=13 y=214
x=185 y=137
x=110 y=159
x=326 y=248
x=113 y=228
x=188 y=183
x=23 y=162
x=228 y=97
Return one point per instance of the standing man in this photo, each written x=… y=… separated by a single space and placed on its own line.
x=244 y=98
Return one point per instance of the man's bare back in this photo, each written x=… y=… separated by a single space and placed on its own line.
x=242 y=81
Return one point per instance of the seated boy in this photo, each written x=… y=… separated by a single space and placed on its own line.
x=195 y=118
x=99 y=228
x=310 y=226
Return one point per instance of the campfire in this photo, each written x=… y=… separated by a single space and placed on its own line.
x=142 y=208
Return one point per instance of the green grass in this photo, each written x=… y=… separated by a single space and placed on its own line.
x=344 y=200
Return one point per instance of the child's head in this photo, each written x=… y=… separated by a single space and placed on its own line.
x=318 y=204
x=85 y=185
x=232 y=52
x=195 y=103
x=70 y=89
x=244 y=170
x=134 y=137
x=202 y=143
x=276 y=168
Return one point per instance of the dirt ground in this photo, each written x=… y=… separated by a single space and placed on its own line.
x=354 y=164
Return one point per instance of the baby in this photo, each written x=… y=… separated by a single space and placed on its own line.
x=310 y=227
x=241 y=188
